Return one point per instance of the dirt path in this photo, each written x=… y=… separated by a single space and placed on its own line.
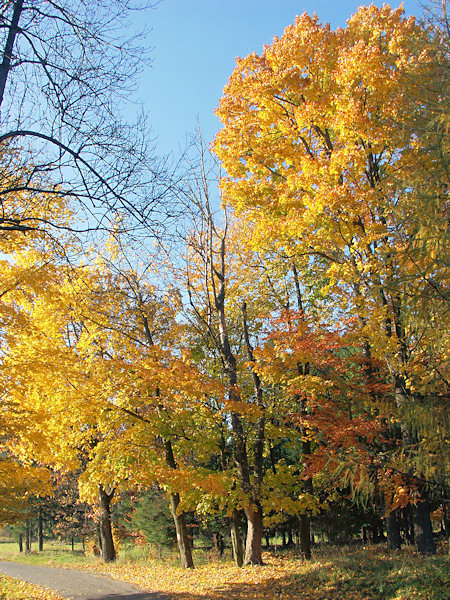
x=77 y=585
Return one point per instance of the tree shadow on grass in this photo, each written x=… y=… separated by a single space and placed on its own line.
x=347 y=578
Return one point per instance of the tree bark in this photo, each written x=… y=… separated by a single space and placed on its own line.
x=20 y=542
x=254 y=513
x=28 y=536
x=236 y=540
x=253 y=545
x=184 y=544
x=423 y=528
x=409 y=525
x=305 y=535
x=40 y=530
x=304 y=519
x=9 y=46
x=108 y=550
x=393 y=530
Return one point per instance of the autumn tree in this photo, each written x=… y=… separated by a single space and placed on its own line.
x=316 y=132
x=26 y=268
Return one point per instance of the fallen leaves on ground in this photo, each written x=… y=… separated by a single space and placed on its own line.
x=352 y=576
x=14 y=589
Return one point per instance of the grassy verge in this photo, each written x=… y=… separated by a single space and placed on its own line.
x=13 y=589
x=54 y=554
x=335 y=574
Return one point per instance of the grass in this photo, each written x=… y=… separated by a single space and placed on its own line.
x=55 y=554
x=369 y=573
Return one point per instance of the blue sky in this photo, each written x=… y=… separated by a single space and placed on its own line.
x=195 y=43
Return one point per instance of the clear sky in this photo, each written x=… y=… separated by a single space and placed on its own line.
x=195 y=43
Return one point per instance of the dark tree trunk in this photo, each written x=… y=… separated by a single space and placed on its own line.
x=20 y=542
x=407 y=524
x=253 y=546
x=393 y=530
x=283 y=538
x=99 y=537
x=237 y=548
x=423 y=528
x=28 y=536
x=254 y=513
x=364 y=534
x=9 y=46
x=290 y=540
x=218 y=543
x=107 y=543
x=40 y=530
x=305 y=535
x=411 y=536
x=376 y=529
x=305 y=520
x=304 y=530
x=445 y=520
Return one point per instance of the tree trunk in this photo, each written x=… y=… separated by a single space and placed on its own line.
x=290 y=539
x=410 y=531
x=305 y=535
x=184 y=545
x=393 y=530
x=236 y=541
x=423 y=528
x=304 y=530
x=99 y=537
x=218 y=543
x=40 y=530
x=376 y=529
x=107 y=543
x=20 y=542
x=253 y=546
x=364 y=533
x=179 y=519
x=445 y=520
x=9 y=46
x=28 y=536
x=305 y=519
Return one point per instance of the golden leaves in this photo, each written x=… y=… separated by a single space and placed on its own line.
x=13 y=589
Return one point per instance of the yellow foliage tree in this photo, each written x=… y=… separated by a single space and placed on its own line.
x=322 y=142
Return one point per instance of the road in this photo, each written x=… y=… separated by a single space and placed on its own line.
x=77 y=585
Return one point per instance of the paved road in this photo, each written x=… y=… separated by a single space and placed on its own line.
x=77 y=585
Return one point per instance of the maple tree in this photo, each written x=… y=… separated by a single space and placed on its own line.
x=316 y=132
x=26 y=267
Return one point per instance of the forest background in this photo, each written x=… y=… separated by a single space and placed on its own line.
x=261 y=366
